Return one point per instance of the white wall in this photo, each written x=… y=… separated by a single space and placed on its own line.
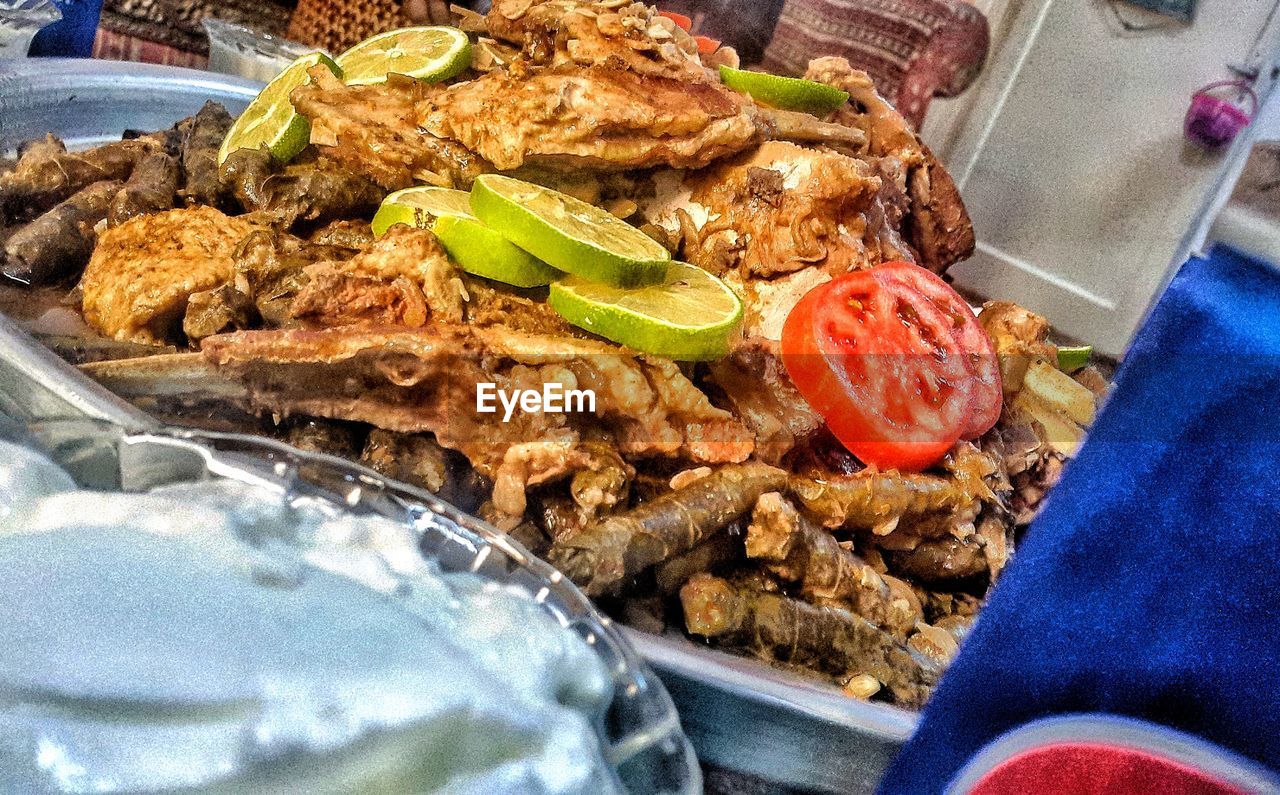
x=1070 y=156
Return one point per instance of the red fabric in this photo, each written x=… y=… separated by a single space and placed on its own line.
x=1092 y=769
x=914 y=50
x=112 y=46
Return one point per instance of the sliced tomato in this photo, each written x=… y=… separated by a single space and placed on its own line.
x=706 y=44
x=682 y=22
x=987 y=396
x=879 y=362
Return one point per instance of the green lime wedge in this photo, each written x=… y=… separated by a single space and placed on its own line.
x=1073 y=358
x=481 y=251
x=420 y=207
x=568 y=233
x=788 y=93
x=270 y=120
x=432 y=54
x=691 y=315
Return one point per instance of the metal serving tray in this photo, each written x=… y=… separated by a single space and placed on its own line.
x=741 y=715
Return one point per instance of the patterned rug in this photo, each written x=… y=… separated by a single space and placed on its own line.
x=176 y=23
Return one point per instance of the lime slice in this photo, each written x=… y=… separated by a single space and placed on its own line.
x=270 y=120
x=483 y=252
x=1071 y=359
x=788 y=93
x=568 y=233
x=690 y=315
x=420 y=207
x=432 y=54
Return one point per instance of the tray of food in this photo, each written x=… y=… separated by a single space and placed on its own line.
x=421 y=267
x=272 y=619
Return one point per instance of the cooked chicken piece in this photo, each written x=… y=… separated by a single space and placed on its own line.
x=425 y=380
x=760 y=392
x=402 y=279
x=491 y=304
x=142 y=272
x=767 y=302
x=601 y=117
x=373 y=131
x=404 y=257
x=337 y=296
x=938 y=225
x=779 y=209
x=634 y=36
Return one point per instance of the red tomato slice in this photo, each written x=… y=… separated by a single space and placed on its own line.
x=878 y=361
x=706 y=44
x=682 y=22
x=987 y=393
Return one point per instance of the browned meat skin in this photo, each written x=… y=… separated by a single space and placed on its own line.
x=824 y=638
x=200 y=154
x=784 y=208
x=415 y=256
x=59 y=242
x=402 y=279
x=150 y=189
x=555 y=32
x=46 y=173
x=602 y=557
x=270 y=268
x=142 y=272
x=336 y=296
x=758 y=389
x=489 y=304
x=938 y=225
x=797 y=550
x=598 y=117
x=382 y=285
x=425 y=380
x=373 y=131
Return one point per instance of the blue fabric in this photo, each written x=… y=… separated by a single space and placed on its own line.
x=72 y=36
x=1150 y=584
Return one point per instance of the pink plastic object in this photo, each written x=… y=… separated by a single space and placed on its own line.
x=1214 y=122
